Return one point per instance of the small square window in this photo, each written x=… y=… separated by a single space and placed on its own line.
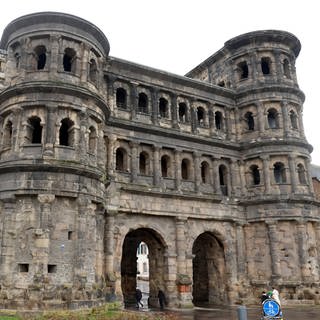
x=23 y=267
x=52 y=268
x=70 y=235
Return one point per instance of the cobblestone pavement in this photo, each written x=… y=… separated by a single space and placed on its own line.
x=289 y=313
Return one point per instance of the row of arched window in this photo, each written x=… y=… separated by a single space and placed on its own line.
x=202 y=115
x=167 y=170
x=68 y=63
x=33 y=134
x=266 y=68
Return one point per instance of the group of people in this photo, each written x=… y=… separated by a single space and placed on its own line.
x=272 y=294
x=161 y=298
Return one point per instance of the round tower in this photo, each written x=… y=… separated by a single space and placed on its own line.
x=52 y=159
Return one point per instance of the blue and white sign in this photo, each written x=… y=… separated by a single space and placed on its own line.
x=271 y=308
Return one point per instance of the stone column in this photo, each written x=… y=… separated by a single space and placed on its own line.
x=134 y=101
x=261 y=117
x=84 y=63
x=83 y=137
x=228 y=124
x=230 y=252
x=134 y=161
x=308 y=175
x=154 y=106
x=235 y=177
x=156 y=166
x=241 y=251
x=300 y=123
x=285 y=118
x=46 y=201
x=302 y=249
x=216 y=177
x=54 y=55
x=266 y=173
x=242 y=177
x=317 y=231
x=81 y=248
x=174 y=110
x=7 y=245
x=177 y=166
x=181 y=245
x=50 y=130
x=293 y=174
x=111 y=155
x=17 y=140
x=197 y=171
x=110 y=92
x=274 y=245
x=278 y=63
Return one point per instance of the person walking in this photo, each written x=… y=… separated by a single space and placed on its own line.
x=138 y=297
x=162 y=299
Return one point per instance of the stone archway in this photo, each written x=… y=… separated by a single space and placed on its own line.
x=157 y=264
x=209 y=271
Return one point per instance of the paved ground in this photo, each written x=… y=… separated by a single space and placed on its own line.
x=290 y=313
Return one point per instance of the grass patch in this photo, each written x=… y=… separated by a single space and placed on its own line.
x=111 y=311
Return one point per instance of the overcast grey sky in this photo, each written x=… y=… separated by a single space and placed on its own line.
x=176 y=35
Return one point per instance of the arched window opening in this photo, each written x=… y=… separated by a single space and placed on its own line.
x=121 y=98
x=34 y=129
x=273 y=121
x=121 y=159
x=92 y=140
x=66 y=132
x=293 y=120
x=143 y=163
x=218 y=120
x=142 y=264
x=200 y=116
x=164 y=166
x=143 y=103
x=7 y=134
x=286 y=69
x=69 y=60
x=204 y=172
x=17 y=58
x=250 y=121
x=301 y=174
x=255 y=174
x=182 y=112
x=185 y=169
x=223 y=180
x=243 y=70
x=279 y=172
x=93 y=70
x=163 y=108
x=265 y=65
x=41 y=57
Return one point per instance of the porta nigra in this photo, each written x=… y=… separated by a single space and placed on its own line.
x=210 y=170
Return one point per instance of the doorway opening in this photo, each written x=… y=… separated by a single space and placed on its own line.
x=143 y=266
x=209 y=271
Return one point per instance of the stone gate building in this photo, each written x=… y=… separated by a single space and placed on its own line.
x=211 y=170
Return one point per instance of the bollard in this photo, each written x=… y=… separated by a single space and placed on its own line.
x=242 y=313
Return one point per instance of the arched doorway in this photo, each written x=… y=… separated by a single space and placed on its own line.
x=156 y=260
x=209 y=271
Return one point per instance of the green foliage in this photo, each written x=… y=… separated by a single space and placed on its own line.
x=111 y=311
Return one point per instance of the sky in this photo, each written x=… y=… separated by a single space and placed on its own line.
x=176 y=35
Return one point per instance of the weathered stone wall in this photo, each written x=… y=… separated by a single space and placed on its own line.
x=97 y=154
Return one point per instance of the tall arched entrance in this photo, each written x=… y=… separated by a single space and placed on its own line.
x=157 y=264
x=209 y=271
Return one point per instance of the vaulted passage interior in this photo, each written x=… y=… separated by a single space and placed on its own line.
x=209 y=271
x=157 y=264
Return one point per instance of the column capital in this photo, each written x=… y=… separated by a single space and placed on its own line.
x=46 y=198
